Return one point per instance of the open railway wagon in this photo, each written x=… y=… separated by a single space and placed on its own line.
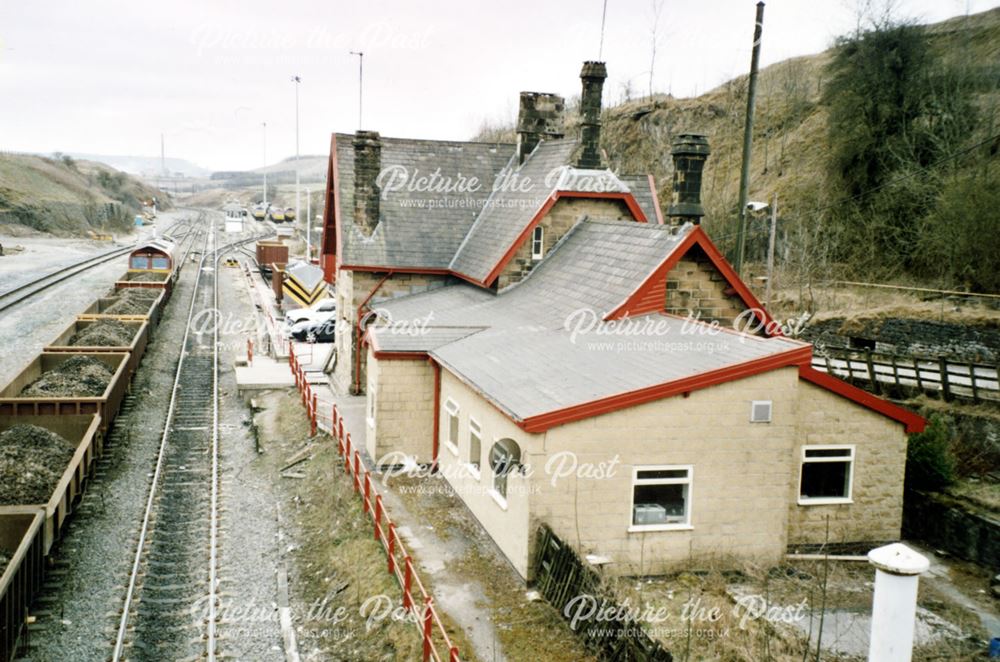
x=21 y=535
x=151 y=265
x=113 y=305
x=73 y=339
x=83 y=443
x=14 y=403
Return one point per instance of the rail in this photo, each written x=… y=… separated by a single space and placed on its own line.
x=876 y=371
x=416 y=599
x=15 y=295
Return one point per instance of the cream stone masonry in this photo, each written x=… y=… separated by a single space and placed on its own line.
x=695 y=286
x=743 y=497
x=403 y=392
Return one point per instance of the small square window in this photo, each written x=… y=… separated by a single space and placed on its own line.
x=760 y=411
x=661 y=498
x=827 y=475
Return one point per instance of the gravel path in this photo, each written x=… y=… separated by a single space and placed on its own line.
x=250 y=552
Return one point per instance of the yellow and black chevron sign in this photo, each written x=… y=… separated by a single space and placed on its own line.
x=304 y=284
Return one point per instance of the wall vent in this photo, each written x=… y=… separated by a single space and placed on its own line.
x=760 y=411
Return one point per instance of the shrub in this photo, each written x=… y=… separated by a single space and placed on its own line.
x=930 y=464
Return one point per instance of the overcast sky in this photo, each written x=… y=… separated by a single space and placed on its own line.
x=108 y=77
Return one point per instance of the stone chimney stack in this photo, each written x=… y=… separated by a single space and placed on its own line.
x=690 y=150
x=592 y=75
x=540 y=117
x=367 y=165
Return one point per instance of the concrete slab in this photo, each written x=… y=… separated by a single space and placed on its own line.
x=265 y=373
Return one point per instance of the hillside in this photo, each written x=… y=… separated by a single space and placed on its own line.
x=791 y=155
x=145 y=165
x=68 y=197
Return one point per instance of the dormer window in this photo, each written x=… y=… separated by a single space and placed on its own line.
x=537 y=250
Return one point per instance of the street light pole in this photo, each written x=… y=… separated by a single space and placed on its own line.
x=361 y=82
x=309 y=225
x=296 y=80
x=264 y=126
x=770 y=250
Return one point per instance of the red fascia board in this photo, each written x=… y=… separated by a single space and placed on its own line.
x=333 y=201
x=656 y=199
x=698 y=236
x=627 y=198
x=913 y=422
x=542 y=422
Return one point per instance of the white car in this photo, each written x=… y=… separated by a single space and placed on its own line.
x=321 y=312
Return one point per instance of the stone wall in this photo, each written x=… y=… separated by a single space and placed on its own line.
x=401 y=396
x=696 y=287
x=876 y=511
x=955 y=526
x=353 y=287
x=565 y=213
x=959 y=342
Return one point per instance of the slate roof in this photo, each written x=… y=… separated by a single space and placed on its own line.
x=643 y=194
x=411 y=235
x=510 y=209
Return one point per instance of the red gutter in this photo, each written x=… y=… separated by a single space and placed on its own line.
x=437 y=409
x=696 y=236
x=542 y=422
x=357 y=349
x=656 y=199
x=913 y=422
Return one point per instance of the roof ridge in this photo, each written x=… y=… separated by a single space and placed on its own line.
x=433 y=140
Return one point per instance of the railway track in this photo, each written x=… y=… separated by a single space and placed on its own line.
x=171 y=599
x=15 y=295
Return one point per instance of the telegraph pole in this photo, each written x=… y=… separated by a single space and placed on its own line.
x=296 y=80
x=748 y=137
x=264 y=129
x=361 y=83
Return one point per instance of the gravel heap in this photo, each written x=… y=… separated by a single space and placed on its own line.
x=32 y=460
x=5 y=558
x=79 y=376
x=132 y=301
x=104 y=333
x=146 y=277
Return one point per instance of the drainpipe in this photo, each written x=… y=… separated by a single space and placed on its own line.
x=358 y=342
x=437 y=410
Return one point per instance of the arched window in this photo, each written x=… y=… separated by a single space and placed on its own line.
x=505 y=456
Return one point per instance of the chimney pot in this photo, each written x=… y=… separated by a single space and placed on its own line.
x=539 y=117
x=367 y=165
x=690 y=150
x=592 y=77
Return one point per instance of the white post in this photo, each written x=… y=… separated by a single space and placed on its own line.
x=309 y=226
x=297 y=80
x=894 y=608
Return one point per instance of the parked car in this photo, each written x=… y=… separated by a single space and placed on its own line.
x=307 y=331
x=320 y=312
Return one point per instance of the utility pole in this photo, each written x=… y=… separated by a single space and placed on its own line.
x=361 y=83
x=264 y=126
x=296 y=80
x=748 y=137
x=770 y=250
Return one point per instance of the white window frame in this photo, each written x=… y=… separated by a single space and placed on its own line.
x=371 y=405
x=689 y=481
x=476 y=472
x=852 y=458
x=451 y=409
x=538 y=243
x=770 y=410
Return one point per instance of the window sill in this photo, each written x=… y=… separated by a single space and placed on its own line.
x=641 y=528
x=452 y=447
x=502 y=502
x=371 y=423
x=473 y=471
x=825 y=501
